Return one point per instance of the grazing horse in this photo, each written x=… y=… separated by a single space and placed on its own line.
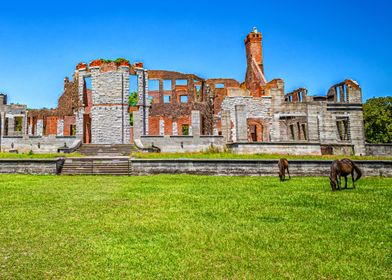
x=283 y=164
x=343 y=168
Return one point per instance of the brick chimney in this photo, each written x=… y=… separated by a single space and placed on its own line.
x=253 y=46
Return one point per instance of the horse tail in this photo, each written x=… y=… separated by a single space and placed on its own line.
x=357 y=170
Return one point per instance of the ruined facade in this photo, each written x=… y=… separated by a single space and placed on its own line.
x=183 y=112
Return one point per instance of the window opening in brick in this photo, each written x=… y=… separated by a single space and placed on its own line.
x=185 y=129
x=184 y=99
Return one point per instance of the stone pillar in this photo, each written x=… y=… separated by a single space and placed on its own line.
x=226 y=126
x=40 y=127
x=240 y=123
x=60 y=127
x=137 y=125
x=143 y=102
x=2 y=115
x=80 y=113
x=161 y=127
x=11 y=126
x=357 y=133
x=195 y=123
x=175 y=129
x=30 y=127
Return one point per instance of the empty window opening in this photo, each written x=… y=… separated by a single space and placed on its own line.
x=345 y=96
x=72 y=129
x=86 y=90
x=292 y=132
x=184 y=98
x=303 y=126
x=167 y=85
x=219 y=85
x=300 y=96
x=290 y=98
x=6 y=126
x=337 y=90
x=133 y=86
x=88 y=82
x=298 y=131
x=181 y=82
x=150 y=99
x=18 y=124
x=166 y=99
x=197 y=90
x=133 y=99
x=343 y=129
x=153 y=85
x=185 y=129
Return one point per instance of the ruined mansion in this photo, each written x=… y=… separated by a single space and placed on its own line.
x=175 y=112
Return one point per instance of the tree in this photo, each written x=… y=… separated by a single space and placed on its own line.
x=132 y=99
x=377 y=113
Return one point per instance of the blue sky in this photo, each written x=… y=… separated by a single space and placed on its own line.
x=311 y=44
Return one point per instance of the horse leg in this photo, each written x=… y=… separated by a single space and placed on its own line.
x=352 y=177
x=288 y=172
x=345 y=182
x=339 y=179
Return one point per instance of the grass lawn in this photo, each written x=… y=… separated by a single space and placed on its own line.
x=228 y=155
x=198 y=227
x=42 y=156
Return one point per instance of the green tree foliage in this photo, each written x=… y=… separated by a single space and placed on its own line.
x=132 y=99
x=377 y=113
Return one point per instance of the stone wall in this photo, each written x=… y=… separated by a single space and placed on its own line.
x=30 y=166
x=253 y=108
x=251 y=167
x=378 y=149
x=285 y=148
x=37 y=144
x=183 y=144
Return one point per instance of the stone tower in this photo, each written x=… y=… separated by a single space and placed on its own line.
x=104 y=116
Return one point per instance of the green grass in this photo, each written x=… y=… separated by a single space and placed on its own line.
x=38 y=156
x=228 y=155
x=194 y=227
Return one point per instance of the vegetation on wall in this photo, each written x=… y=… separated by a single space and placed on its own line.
x=377 y=113
x=132 y=99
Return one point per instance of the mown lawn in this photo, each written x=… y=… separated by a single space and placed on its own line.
x=37 y=156
x=194 y=227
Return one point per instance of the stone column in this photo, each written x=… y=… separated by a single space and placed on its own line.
x=240 y=123
x=40 y=127
x=137 y=125
x=11 y=126
x=226 y=126
x=60 y=127
x=175 y=129
x=195 y=115
x=161 y=127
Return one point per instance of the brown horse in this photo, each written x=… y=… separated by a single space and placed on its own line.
x=283 y=164
x=343 y=168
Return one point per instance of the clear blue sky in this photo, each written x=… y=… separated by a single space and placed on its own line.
x=311 y=44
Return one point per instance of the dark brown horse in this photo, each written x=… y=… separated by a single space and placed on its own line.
x=283 y=164
x=343 y=168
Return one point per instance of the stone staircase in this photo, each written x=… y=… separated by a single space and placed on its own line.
x=96 y=166
x=103 y=150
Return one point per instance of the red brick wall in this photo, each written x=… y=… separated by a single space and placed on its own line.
x=153 y=125
x=51 y=126
x=68 y=120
